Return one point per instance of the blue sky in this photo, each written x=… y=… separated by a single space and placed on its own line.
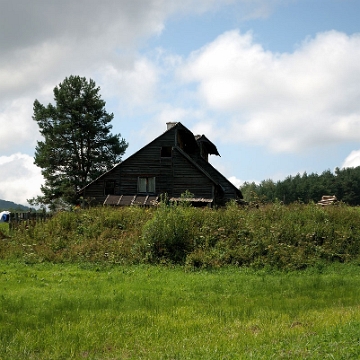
x=273 y=83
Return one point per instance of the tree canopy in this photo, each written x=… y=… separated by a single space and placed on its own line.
x=78 y=145
x=343 y=183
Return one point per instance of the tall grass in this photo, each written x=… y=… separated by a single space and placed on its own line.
x=274 y=236
x=286 y=237
x=93 y=235
x=86 y=311
x=4 y=230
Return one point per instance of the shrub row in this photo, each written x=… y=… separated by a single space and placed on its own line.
x=276 y=236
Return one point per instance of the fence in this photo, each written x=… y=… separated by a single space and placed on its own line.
x=27 y=218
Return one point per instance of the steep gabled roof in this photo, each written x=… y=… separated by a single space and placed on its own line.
x=127 y=159
x=199 y=163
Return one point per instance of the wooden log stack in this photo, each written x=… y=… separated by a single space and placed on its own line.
x=327 y=200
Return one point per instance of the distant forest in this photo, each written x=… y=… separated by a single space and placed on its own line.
x=344 y=184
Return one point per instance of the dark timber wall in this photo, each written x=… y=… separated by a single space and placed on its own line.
x=176 y=170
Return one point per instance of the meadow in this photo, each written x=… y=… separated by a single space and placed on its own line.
x=176 y=282
x=87 y=311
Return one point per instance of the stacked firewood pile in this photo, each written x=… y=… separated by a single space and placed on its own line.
x=328 y=200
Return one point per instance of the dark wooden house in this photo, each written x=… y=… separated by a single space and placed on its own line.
x=173 y=163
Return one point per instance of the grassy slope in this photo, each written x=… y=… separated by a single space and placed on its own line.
x=145 y=312
x=275 y=236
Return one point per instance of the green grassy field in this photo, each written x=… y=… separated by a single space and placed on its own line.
x=88 y=311
x=176 y=282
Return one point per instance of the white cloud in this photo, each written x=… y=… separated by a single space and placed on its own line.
x=352 y=160
x=19 y=131
x=42 y=43
x=286 y=102
x=235 y=181
x=20 y=178
x=135 y=83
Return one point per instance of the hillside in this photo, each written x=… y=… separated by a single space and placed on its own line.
x=9 y=205
x=273 y=236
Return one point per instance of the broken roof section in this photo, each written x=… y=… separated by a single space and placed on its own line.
x=203 y=141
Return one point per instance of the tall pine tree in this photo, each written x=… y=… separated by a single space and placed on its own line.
x=78 y=145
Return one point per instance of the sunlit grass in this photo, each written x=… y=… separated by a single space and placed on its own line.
x=146 y=312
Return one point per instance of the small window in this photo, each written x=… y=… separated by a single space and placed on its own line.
x=146 y=184
x=109 y=187
x=166 y=151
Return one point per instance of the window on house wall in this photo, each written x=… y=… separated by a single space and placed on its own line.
x=166 y=151
x=109 y=187
x=146 y=184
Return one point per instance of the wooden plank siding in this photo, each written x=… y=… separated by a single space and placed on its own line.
x=179 y=167
x=188 y=177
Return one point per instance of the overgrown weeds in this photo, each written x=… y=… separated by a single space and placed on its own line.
x=275 y=236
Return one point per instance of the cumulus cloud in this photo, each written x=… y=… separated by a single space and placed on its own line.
x=135 y=83
x=43 y=42
x=285 y=101
x=19 y=131
x=113 y=21
x=20 y=178
x=352 y=160
x=235 y=181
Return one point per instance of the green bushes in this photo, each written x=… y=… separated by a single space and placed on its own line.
x=276 y=236
x=168 y=234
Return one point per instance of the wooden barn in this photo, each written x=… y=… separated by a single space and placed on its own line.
x=173 y=163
